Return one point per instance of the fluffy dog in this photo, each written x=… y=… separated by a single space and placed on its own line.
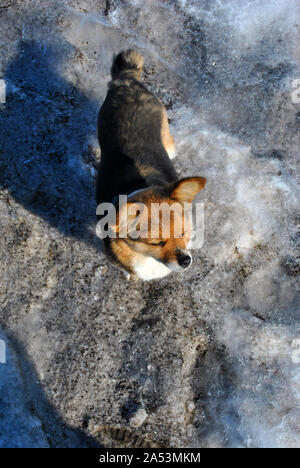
x=136 y=151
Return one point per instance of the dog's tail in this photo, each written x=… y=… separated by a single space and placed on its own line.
x=128 y=60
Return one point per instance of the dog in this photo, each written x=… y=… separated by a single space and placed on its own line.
x=136 y=151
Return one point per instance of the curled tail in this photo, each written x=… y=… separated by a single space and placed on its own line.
x=128 y=60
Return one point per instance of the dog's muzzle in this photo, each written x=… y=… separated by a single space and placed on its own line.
x=184 y=260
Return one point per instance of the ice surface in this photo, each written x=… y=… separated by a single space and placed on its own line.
x=19 y=427
x=211 y=357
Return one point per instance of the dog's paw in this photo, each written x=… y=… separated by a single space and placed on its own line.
x=130 y=276
x=133 y=277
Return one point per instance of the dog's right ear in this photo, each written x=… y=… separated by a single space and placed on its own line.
x=186 y=189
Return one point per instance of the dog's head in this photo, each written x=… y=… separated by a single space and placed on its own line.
x=156 y=222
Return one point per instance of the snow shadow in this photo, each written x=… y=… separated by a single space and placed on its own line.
x=45 y=125
x=29 y=419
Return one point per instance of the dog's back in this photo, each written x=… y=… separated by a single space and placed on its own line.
x=133 y=134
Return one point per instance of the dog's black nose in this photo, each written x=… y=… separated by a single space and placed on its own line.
x=184 y=261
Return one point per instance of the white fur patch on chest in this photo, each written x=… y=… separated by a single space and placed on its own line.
x=147 y=268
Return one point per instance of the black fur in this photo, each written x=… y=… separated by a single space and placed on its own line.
x=129 y=131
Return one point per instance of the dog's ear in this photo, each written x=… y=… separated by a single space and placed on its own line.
x=186 y=189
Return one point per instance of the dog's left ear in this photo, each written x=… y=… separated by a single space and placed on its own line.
x=186 y=189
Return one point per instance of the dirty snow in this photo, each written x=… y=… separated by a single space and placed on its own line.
x=206 y=359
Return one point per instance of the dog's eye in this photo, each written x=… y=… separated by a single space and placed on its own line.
x=160 y=244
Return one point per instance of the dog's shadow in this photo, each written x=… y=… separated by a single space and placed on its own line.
x=45 y=127
x=58 y=433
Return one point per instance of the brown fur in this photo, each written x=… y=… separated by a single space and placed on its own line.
x=166 y=137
